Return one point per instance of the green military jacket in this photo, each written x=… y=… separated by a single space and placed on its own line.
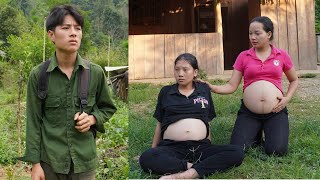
x=51 y=135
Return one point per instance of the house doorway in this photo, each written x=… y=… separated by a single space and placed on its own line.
x=236 y=15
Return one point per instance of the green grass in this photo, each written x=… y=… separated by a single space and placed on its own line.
x=308 y=75
x=302 y=161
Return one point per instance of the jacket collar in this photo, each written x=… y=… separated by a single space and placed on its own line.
x=79 y=62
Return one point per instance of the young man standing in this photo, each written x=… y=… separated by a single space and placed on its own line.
x=60 y=141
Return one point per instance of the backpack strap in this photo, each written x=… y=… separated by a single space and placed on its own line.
x=84 y=86
x=83 y=90
x=43 y=80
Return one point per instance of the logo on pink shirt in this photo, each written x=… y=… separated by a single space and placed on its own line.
x=276 y=62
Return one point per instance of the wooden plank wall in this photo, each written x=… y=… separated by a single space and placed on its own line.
x=306 y=34
x=294 y=29
x=270 y=10
x=152 y=56
x=293 y=48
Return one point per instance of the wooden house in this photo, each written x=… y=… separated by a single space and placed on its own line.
x=215 y=31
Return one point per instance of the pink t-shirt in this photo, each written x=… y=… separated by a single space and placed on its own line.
x=253 y=69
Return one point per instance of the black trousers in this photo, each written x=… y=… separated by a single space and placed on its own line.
x=172 y=157
x=248 y=127
x=51 y=175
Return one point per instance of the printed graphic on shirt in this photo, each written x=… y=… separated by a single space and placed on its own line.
x=201 y=100
x=276 y=62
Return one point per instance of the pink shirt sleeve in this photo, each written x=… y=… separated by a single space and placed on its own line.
x=287 y=64
x=239 y=64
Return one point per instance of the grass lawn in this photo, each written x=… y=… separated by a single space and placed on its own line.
x=302 y=160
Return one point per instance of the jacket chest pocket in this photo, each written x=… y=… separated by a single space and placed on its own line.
x=53 y=110
x=91 y=102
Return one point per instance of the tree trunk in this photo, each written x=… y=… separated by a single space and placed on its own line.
x=19 y=115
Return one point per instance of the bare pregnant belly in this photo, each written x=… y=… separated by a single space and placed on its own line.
x=186 y=129
x=260 y=97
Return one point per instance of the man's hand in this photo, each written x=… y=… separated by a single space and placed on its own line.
x=37 y=172
x=84 y=121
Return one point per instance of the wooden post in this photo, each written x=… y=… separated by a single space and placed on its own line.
x=20 y=84
x=219 y=30
x=218 y=16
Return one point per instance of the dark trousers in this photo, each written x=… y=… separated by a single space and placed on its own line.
x=51 y=175
x=172 y=157
x=248 y=127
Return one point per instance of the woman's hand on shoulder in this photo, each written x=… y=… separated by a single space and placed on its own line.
x=211 y=86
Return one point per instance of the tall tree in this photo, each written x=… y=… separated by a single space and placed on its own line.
x=107 y=17
x=10 y=19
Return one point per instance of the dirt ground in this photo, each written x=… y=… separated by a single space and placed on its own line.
x=309 y=87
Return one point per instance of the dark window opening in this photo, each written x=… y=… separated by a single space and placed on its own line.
x=171 y=16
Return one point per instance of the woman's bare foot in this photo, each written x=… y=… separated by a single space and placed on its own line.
x=188 y=174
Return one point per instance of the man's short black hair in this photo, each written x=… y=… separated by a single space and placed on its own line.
x=58 y=13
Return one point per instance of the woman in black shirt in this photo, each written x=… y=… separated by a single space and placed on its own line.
x=181 y=145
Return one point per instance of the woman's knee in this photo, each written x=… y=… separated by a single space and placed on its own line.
x=236 y=154
x=146 y=158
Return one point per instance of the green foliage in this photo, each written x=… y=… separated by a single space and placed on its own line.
x=8 y=147
x=4 y=2
x=118 y=55
x=317 y=15
x=113 y=145
x=202 y=75
x=8 y=114
x=8 y=84
x=109 y=23
x=108 y=16
x=101 y=39
x=308 y=75
x=26 y=51
x=36 y=12
x=10 y=19
x=86 y=41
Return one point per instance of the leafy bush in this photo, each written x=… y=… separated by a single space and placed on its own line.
x=113 y=145
x=118 y=55
x=8 y=83
x=8 y=136
x=26 y=51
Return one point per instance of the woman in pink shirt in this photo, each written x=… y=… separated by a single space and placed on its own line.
x=264 y=102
